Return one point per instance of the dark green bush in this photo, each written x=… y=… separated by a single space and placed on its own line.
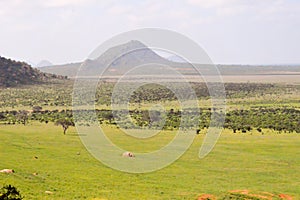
x=9 y=192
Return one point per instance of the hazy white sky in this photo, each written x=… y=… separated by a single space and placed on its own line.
x=231 y=31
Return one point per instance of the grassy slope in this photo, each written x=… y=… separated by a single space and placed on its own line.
x=260 y=163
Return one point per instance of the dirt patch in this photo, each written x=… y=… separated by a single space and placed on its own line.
x=285 y=196
x=206 y=197
x=258 y=195
x=240 y=191
x=246 y=194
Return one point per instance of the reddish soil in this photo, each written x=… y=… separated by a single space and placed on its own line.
x=285 y=196
x=206 y=197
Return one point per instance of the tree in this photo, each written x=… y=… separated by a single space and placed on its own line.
x=36 y=109
x=64 y=123
x=9 y=192
x=259 y=130
x=2 y=116
x=22 y=116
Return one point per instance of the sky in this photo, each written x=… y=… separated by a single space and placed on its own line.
x=230 y=31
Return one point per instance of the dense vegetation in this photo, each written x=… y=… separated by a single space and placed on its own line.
x=60 y=95
x=277 y=119
x=54 y=104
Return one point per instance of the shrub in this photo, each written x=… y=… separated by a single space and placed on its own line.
x=9 y=192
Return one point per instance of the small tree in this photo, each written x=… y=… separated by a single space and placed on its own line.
x=259 y=130
x=2 y=117
x=9 y=192
x=23 y=116
x=64 y=123
x=37 y=109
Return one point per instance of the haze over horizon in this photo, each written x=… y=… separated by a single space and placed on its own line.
x=231 y=31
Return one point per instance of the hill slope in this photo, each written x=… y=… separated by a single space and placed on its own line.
x=69 y=70
x=14 y=73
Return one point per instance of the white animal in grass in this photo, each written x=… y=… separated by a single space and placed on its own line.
x=7 y=171
x=128 y=154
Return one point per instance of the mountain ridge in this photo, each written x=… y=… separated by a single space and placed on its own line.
x=134 y=53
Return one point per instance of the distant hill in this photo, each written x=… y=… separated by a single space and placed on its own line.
x=175 y=58
x=134 y=53
x=14 y=73
x=69 y=70
x=123 y=56
x=130 y=54
x=44 y=63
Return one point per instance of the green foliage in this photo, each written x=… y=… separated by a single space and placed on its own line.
x=65 y=123
x=9 y=192
x=277 y=119
x=60 y=94
x=37 y=109
x=22 y=116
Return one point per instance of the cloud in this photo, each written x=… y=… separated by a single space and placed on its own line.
x=64 y=3
x=156 y=13
x=212 y=3
x=280 y=11
x=119 y=10
x=266 y=10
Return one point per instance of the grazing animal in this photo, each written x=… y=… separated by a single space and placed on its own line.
x=128 y=154
x=7 y=171
x=48 y=192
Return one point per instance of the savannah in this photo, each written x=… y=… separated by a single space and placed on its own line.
x=95 y=106
x=255 y=157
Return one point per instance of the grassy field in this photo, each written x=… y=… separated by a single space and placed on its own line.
x=267 y=163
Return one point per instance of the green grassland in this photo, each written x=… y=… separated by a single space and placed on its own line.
x=255 y=162
x=44 y=159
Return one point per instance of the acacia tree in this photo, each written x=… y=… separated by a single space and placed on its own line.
x=23 y=116
x=64 y=123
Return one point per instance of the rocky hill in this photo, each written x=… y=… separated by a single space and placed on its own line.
x=15 y=73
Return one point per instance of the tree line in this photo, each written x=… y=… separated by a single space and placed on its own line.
x=277 y=119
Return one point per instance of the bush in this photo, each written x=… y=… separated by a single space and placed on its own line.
x=9 y=192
